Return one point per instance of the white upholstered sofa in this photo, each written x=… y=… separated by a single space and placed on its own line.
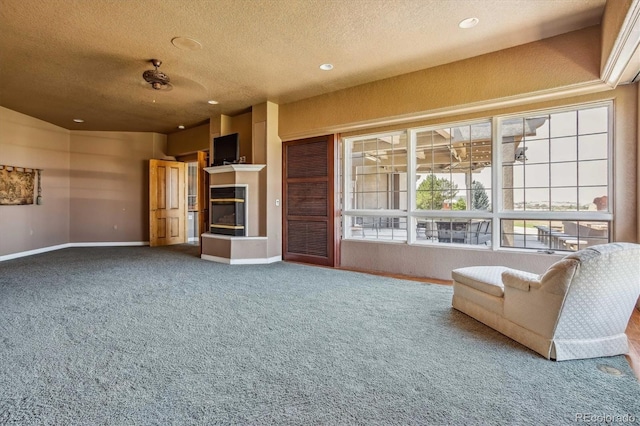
x=579 y=308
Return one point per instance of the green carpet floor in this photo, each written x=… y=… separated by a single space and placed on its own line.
x=141 y=336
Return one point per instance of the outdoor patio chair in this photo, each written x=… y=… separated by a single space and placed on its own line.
x=464 y=232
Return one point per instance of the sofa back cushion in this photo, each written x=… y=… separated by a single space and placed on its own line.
x=602 y=292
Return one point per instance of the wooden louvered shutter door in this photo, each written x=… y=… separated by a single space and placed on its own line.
x=309 y=233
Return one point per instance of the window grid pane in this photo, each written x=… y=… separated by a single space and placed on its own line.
x=453 y=168
x=552 y=164
x=476 y=232
x=555 y=151
x=377 y=228
x=378 y=173
x=554 y=235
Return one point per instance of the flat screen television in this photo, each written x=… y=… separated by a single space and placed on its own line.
x=226 y=149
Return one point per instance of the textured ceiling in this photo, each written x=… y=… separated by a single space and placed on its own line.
x=65 y=59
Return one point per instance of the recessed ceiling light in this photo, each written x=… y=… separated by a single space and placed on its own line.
x=468 y=23
x=212 y=102
x=181 y=127
x=78 y=120
x=186 y=43
x=326 y=67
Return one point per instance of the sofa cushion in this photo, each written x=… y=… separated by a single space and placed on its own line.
x=487 y=279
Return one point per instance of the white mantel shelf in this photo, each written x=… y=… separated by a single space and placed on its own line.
x=235 y=168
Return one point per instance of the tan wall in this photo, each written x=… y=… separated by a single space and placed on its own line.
x=568 y=61
x=94 y=184
x=235 y=250
x=188 y=141
x=625 y=161
x=32 y=143
x=241 y=124
x=217 y=247
x=274 y=182
x=110 y=185
x=259 y=148
x=434 y=262
x=267 y=149
x=253 y=200
x=248 y=248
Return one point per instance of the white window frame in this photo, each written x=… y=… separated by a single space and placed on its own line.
x=502 y=214
x=414 y=214
x=348 y=211
x=497 y=212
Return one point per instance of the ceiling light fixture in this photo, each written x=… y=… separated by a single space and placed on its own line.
x=157 y=79
x=326 y=67
x=468 y=23
x=181 y=127
x=78 y=120
x=186 y=43
x=212 y=102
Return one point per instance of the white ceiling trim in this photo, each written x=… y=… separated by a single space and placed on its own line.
x=623 y=63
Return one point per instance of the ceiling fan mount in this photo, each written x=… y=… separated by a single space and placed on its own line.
x=156 y=78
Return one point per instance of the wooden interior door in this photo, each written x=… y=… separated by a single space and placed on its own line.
x=309 y=215
x=167 y=203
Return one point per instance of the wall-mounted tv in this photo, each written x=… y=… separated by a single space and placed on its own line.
x=226 y=149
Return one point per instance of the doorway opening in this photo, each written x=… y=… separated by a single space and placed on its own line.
x=193 y=225
x=197 y=184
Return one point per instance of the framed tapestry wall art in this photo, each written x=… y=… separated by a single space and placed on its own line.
x=17 y=185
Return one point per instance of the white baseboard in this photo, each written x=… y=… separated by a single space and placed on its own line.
x=69 y=245
x=258 y=261
x=111 y=244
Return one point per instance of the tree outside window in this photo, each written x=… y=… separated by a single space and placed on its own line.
x=479 y=197
x=433 y=192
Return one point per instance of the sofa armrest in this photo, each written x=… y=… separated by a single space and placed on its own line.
x=520 y=280
x=558 y=277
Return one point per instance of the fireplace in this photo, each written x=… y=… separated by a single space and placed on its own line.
x=228 y=210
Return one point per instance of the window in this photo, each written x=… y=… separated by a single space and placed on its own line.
x=453 y=174
x=440 y=185
x=555 y=179
x=376 y=177
x=453 y=168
